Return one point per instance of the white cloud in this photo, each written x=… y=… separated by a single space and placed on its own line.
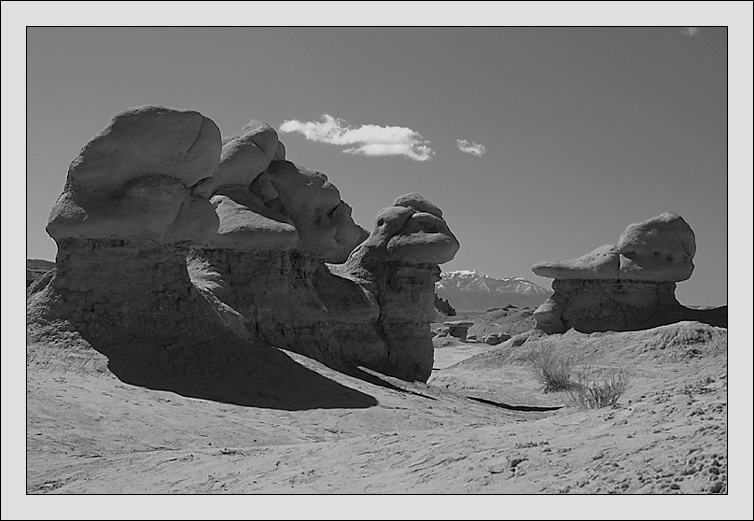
x=471 y=148
x=367 y=140
x=690 y=31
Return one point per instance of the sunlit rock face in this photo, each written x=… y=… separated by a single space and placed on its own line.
x=627 y=286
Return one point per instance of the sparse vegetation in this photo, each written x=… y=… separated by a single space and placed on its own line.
x=202 y=275
x=551 y=370
x=597 y=388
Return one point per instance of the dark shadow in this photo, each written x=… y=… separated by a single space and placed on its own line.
x=717 y=317
x=522 y=408
x=372 y=377
x=230 y=370
x=664 y=316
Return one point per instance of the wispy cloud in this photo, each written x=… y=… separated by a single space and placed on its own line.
x=471 y=147
x=367 y=140
x=690 y=31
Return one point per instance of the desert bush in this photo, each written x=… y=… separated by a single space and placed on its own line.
x=551 y=370
x=202 y=275
x=595 y=389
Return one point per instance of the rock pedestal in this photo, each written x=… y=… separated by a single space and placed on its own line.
x=458 y=328
x=623 y=287
x=398 y=265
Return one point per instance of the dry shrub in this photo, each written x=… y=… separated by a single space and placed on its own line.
x=202 y=275
x=551 y=370
x=597 y=388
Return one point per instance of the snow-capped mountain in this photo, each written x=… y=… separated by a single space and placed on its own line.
x=467 y=290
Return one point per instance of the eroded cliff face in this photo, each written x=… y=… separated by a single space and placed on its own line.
x=624 y=287
x=407 y=305
x=275 y=293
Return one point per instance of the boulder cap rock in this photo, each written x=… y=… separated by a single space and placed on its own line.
x=660 y=249
x=418 y=203
x=414 y=231
x=131 y=181
x=247 y=154
x=314 y=205
x=148 y=140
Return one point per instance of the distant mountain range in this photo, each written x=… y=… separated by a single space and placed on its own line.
x=467 y=290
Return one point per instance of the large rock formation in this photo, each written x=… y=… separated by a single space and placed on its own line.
x=277 y=235
x=123 y=224
x=398 y=266
x=133 y=205
x=182 y=256
x=278 y=224
x=627 y=286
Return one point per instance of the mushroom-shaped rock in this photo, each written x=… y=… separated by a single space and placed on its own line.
x=123 y=226
x=398 y=263
x=424 y=236
x=407 y=233
x=627 y=286
x=458 y=328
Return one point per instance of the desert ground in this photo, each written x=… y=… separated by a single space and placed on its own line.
x=480 y=425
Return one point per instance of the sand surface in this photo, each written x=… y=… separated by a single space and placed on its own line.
x=88 y=432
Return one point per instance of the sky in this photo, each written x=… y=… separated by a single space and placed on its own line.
x=538 y=142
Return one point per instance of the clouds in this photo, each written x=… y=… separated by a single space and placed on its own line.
x=372 y=140
x=470 y=147
x=690 y=31
x=366 y=140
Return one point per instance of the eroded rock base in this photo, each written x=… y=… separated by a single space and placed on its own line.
x=589 y=305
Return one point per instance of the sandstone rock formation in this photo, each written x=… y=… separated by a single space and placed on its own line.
x=179 y=252
x=398 y=265
x=132 y=207
x=374 y=310
x=627 y=286
x=123 y=225
x=444 y=307
x=459 y=328
x=278 y=224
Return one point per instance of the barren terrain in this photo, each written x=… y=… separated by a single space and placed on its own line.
x=88 y=432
